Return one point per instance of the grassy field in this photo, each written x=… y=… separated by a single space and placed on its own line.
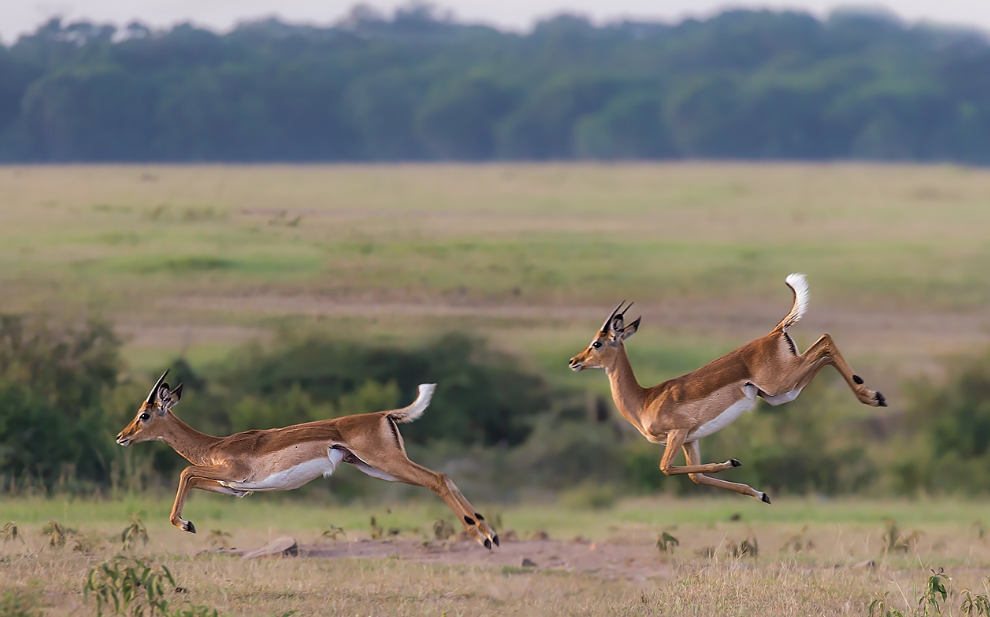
x=830 y=574
x=199 y=259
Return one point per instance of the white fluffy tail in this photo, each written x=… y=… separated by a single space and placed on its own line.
x=799 y=285
x=414 y=411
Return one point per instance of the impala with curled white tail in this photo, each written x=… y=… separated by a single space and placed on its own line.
x=679 y=412
x=282 y=459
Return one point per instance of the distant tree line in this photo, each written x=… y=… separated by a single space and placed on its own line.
x=418 y=86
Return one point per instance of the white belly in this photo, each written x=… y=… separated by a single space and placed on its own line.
x=780 y=399
x=293 y=477
x=727 y=417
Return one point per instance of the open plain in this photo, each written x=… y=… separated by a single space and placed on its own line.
x=198 y=260
x=202 y=258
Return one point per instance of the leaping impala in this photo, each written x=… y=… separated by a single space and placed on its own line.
x=282 y=459
x=679 y=412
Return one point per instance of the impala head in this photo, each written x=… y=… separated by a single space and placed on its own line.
x=601 y=352
x=149 y=423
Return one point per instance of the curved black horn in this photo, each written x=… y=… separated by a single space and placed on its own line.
x=151 y=395
x=626 y=309
x=608 y=321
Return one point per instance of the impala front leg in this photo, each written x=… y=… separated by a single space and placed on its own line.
x=675 y=439
x=203 y=478
x=693 y=455
x=696 y=470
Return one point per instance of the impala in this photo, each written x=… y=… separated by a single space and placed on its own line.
x=281 y=459
x=679 y=412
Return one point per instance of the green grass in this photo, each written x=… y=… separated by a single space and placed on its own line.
x=200 y=259
x=279 y=513
x=530 y=255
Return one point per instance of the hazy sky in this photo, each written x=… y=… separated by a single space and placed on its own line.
x=20 y=16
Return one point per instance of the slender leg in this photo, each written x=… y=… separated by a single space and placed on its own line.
x=203 y=478
x=693 y=456
x=675 y=439
x=797 y=372
x=398 y=465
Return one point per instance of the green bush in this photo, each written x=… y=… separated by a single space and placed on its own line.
x=53 y=382
x=946 y=431
x=483 y=396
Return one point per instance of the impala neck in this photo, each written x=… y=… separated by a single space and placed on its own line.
x=189 y=443
x=628 y=395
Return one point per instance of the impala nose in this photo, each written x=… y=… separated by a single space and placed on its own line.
x=121 y=439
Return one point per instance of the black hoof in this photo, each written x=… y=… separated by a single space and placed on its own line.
x=766 y=498
x=735 y=462
x=881 y=401
x=488 y=544
x=188 y=526
x=495 y=540
x=858 y=379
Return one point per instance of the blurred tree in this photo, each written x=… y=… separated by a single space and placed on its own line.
x=415 y=85
x=457 y=119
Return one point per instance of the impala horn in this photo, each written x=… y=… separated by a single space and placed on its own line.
x=151 y=395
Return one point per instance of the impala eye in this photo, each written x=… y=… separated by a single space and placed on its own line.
x=143 y=417
x=596 y=344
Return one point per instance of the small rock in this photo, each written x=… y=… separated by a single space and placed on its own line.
x=869 y=563
x=285 y=545
x=528 y=563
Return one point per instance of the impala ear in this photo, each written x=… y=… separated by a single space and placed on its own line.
x=167 y=398
x=176 y=394
x=615 y=330
x=619 y=332
x=630 y=329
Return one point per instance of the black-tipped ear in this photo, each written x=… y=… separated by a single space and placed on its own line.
x=630 y=329
x=176 y=394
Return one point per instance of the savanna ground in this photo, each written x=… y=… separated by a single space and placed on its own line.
x=196 y=260
x=813 y=557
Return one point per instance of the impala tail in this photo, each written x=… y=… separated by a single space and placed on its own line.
x=414 y=411
x=799 y=285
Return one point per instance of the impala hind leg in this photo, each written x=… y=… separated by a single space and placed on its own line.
x=800 y=370
x=404 y=470
x=692 y=454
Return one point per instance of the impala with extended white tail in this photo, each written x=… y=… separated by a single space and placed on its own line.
x=679 y=412
x=281 y=459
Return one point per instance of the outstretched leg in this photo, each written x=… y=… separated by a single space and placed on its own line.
x=692 y=454
x=397 y=465
x=203 y=478
x=782 y=382
x=675 y=439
